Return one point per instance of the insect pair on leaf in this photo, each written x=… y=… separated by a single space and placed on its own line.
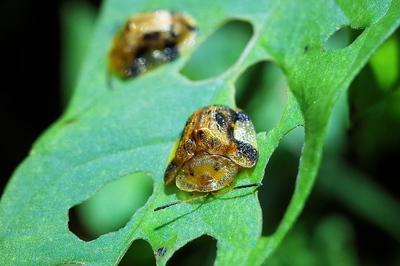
x=215 y=143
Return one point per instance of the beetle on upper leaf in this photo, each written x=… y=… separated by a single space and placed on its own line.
x=149 y=40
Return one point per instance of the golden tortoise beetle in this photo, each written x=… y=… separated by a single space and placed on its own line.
x=149 y=40
x=215 y=143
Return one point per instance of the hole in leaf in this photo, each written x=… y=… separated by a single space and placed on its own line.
x=219 y=52
x=261 y=92
x=342 y=38
x=199 y=252
x=279 y=180
x=111 y=207
x=139 y=253
x=385 y=63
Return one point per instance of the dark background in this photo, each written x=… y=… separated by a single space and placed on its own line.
x=30 y=93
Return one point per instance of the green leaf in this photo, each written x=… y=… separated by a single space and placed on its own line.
x=109 y=131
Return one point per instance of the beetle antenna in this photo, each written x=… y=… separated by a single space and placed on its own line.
x=238 y=187
x=179 y=202
x=205 y=195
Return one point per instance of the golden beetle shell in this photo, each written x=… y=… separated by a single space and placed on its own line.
x=149 y=40
x=215 y=143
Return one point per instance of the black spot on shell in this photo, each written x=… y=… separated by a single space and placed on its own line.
x=247 y=151
x=241 y=116
x=170 y=43
x=171 y=52
x=152 y=36
x=220 y=118
x=230 y=133
x=201 y=135
x=137 y=67
x=141 y=52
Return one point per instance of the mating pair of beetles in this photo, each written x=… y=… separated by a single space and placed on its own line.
x=215 y=143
